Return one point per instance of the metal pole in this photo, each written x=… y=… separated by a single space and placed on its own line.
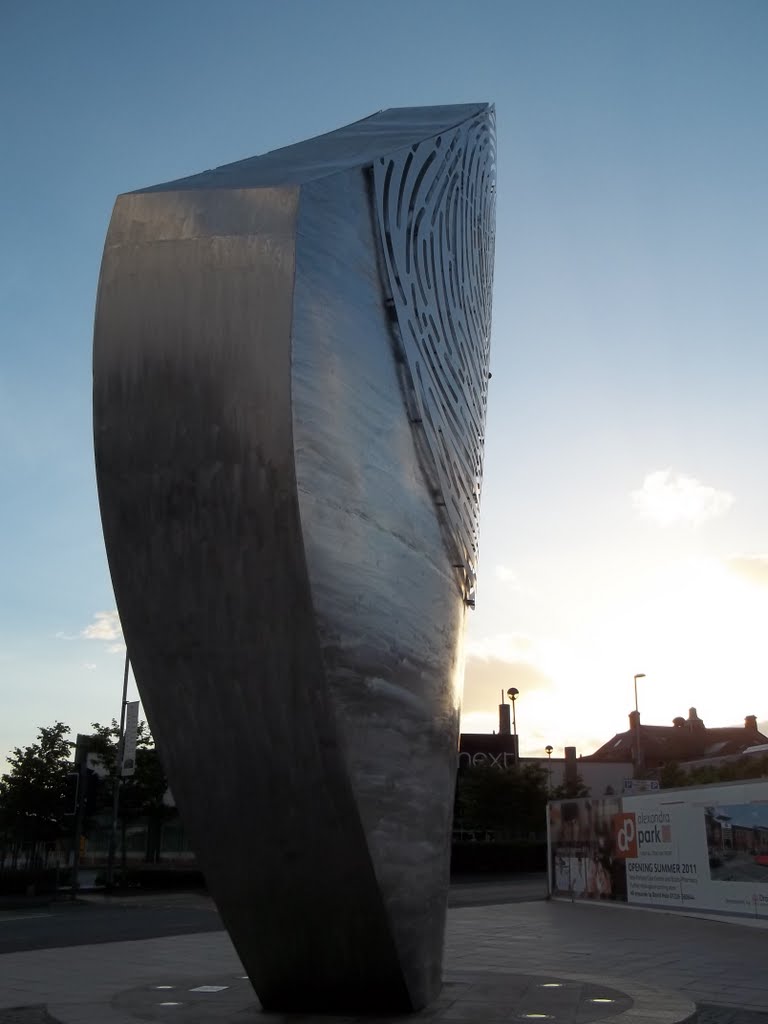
x=638 y=755
x=514 y=730
x=512 y=693
x=81 y=759
x=116 y=779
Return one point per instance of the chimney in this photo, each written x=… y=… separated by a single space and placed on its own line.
x=694 y=722
x=750 y=723
x=571 y=774
x=637 y=753
x=504 y=729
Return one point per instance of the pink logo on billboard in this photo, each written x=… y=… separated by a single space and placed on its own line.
x=633 y=832
x=625 y=835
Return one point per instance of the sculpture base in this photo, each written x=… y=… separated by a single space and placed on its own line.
x=469 y=996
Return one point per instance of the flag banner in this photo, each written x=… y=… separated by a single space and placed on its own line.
x=128 y=766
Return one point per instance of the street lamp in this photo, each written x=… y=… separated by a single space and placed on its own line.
x=116 y=783
x=512 y=693
x=549 y=748
x=638 y=751
x=638 y=675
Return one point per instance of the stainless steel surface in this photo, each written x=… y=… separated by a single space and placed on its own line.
x=280 y=559
x=353 y=146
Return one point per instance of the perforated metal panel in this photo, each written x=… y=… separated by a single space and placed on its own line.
x=435 y=203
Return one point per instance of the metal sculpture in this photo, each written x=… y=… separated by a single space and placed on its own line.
x=290 y=367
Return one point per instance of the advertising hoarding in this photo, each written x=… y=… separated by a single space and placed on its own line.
x=700 y=848
x=583 y=856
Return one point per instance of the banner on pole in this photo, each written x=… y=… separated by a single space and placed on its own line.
x=129 y=738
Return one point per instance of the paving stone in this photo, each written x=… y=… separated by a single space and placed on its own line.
x=478 y=997
x=710 y=1013
x=662 y=962
x=27 y=1015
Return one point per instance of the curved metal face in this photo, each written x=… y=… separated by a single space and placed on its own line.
x=276 y=533
x=436 y=211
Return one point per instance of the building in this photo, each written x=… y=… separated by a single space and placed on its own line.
x=637 y=753
x=500 y=750
x=686 y=741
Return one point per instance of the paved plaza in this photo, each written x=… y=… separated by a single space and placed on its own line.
x=567 y=963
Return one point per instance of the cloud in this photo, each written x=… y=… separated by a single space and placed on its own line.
x=752 y=567
x=89 y=666
x=485 y=678
x=496 y=662
x=508 y=576
x=487 y=674
x=503 y=646
x=501 y=660
x=668 y=498
x=105 y=626
x=484 y=681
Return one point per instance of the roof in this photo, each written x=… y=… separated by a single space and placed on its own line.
x=679 y=743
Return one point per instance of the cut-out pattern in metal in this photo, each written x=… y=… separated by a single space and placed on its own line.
x=436 y=213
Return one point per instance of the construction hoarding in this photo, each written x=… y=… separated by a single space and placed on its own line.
x=699 y=848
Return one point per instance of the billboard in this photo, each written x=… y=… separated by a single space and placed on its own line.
x=702 y=849
x=584 y=860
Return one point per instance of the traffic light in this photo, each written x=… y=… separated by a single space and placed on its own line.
x=71 y=793
x=94 y=793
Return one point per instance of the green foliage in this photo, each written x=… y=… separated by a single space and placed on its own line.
x=141 y=794
x=672 y=774
x=509 y=803
x=571 y=790
x=36 y=794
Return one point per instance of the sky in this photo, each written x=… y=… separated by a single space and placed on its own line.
x=623 y=525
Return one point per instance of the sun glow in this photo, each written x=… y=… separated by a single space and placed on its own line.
x=694 y=628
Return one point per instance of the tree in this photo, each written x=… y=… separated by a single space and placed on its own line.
x=672 y=774
x=571 y=790
x=510 y=802
x=141 y=794
x=37 y=795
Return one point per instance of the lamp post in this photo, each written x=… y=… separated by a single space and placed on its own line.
x=116 y=781
x=549 y=748
x=512 y=693
x=638 y=675
x=638 y=750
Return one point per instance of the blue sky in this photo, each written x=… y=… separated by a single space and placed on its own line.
x=624 y=508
